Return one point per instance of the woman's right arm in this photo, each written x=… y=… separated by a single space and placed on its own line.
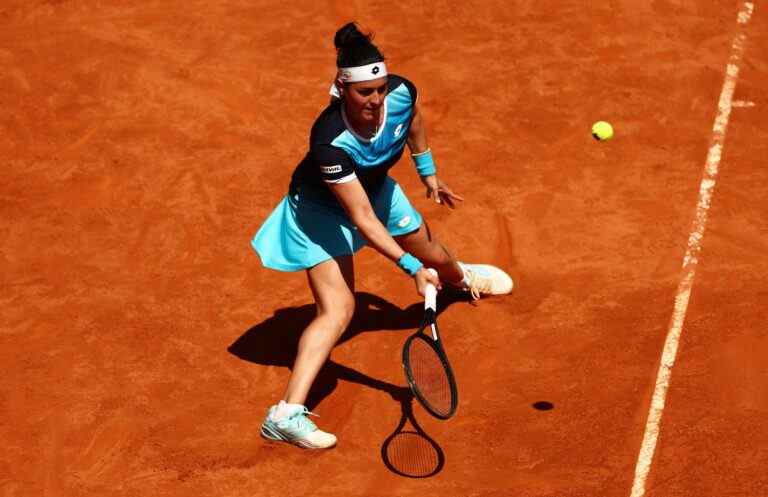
x=355 y=201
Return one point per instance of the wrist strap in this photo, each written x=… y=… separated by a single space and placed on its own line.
x=409 y=264
x=425 y=165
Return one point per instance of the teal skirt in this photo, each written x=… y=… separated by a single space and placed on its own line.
x=301 y=232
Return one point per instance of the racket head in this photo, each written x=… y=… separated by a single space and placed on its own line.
x=430 y=375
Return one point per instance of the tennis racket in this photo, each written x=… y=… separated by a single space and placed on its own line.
x=426 y=365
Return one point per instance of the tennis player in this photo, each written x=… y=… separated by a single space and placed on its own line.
x=341 y=198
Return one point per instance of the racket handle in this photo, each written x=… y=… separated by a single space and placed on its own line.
x=430 y=294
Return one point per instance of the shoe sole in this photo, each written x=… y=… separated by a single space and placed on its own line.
x=275 y=436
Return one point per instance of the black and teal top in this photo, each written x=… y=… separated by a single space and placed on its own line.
x=337 y=154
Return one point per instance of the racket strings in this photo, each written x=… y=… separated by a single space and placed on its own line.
x=430 y=376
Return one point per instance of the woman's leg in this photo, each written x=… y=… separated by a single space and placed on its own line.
x=478 y=279
x=332 y=284
x=422 y=245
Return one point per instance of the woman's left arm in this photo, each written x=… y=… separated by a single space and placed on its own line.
x=425 y=166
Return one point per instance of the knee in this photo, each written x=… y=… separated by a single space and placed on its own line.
x=437 y=256
x=340 y=315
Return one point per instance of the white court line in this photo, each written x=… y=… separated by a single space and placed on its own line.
x=706 y=189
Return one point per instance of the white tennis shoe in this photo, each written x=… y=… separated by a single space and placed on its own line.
x=484 y=279
x=295 y=427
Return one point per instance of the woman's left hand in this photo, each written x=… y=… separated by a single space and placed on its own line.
x=440 y=192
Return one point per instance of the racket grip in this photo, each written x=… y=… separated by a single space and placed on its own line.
x=430 y=294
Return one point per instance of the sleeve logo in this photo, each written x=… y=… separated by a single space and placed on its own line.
x=331 y=169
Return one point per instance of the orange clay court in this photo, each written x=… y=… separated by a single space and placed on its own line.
x=143 y=143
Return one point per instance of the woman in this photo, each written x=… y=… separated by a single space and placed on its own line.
x=341 y=198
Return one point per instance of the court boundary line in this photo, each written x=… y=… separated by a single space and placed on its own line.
x=691 y=258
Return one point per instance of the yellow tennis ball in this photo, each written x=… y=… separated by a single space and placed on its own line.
x=602 y=130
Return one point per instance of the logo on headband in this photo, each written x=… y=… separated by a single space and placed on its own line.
x=375 y=70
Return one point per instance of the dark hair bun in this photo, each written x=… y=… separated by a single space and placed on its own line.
x=354 y=48
x=348 y=35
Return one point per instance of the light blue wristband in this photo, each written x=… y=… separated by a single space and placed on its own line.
x=425 y=165
x=409 y=264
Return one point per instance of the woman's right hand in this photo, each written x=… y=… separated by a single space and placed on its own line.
x=423 y=277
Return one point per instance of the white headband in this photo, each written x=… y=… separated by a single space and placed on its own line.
x=356 y=74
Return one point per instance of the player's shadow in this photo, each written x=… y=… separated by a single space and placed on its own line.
x=274 y=341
